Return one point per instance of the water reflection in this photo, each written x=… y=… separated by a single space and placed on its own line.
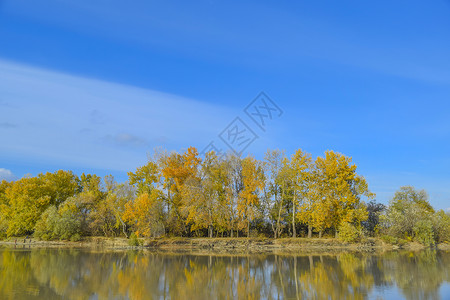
x=82 y=274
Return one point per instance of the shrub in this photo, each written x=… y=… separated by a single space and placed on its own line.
x=133 y=241
x=68 y=226
x=348 y=233
x=57 y=223
x=423 y=231
x=45 y=237
x=402 y=242
x=75 y=238
x=389 y=239
x=45 y=226
x=441 y=226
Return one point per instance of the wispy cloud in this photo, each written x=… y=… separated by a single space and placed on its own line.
x=69 y=119
x=126 y=140
x=4 y=103
x=7 y=125
x=7 y=175
x=96 y=117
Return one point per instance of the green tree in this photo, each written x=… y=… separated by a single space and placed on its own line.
x=406 y=209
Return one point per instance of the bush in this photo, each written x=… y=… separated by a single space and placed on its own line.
x=75 y=238
x=441 y=226
x=58 y=224
x=348 y=233
x=45 y=237
x=68 y=226
x=423 y=231
x=134 y=241
x=389 y=239
x=45 y=226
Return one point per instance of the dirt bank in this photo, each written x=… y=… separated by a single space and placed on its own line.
x=221 y=245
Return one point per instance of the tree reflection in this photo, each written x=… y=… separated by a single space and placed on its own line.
x=82 y=274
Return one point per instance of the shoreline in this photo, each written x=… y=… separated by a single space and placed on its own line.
x=222 y=245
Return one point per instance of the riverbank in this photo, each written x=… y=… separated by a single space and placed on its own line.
x=221 y=244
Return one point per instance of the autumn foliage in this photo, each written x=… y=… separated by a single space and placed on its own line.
x=184 y=194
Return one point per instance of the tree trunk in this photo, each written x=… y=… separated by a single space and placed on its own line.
x=274 y=230
x=320 y=234
x=294 y=233
x=210 y=231
x=309 y=231
x=336 y=233
x=278 y=221
x=124 y=227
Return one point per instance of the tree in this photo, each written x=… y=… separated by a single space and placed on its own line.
x=374 y=211
x=26 y=199
x=338 y=192
x=176 y=170
x=145 y=177
x=234 y=186
x=253 y=181
x=117 y=197
x=409 y=214
x=301 y=175
x=146 y=214
x=441 y=226
x=68 y=221
x=277 y=174
x=204 y=194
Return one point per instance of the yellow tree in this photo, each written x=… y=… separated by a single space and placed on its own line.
x=145 y=177
x=26 y=199
x=301 y=169
x=145 y=214
x=340 y=189
x=253 y=182
x=203 y=194
x=177 y=169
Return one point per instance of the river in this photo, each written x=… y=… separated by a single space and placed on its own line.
x=43 y=273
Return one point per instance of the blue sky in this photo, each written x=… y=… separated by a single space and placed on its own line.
x=94 y=86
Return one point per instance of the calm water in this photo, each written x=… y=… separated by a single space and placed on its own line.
x=89 y=274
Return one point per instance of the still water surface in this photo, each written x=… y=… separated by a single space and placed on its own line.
x=90 y=274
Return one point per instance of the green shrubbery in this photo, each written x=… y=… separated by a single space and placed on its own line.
x=389 y=239
x=348 y=233
x=134 y=241
x=423 y=232
x=441 y=226
x=410 y=216
x=58 y=224
x=75 y=238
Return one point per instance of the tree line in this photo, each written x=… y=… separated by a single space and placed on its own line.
x=184 y=194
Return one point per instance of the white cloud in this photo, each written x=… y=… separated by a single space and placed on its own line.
x=7 y=175
x=85 y=122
